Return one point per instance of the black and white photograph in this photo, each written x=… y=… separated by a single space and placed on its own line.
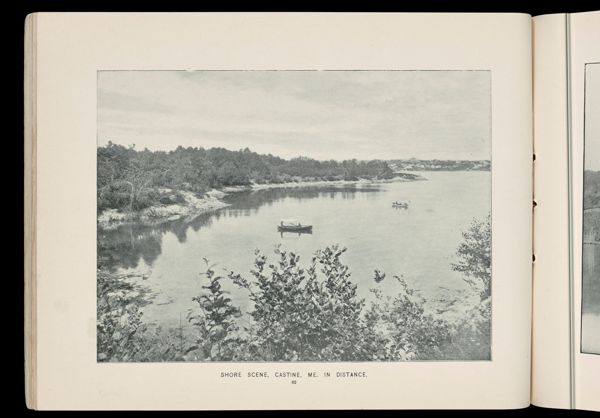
x=590 y=318
x=304 y=216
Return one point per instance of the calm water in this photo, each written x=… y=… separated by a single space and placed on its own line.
x=590 y=341
x=418 y=243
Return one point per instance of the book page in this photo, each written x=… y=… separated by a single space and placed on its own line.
x=566 y=303
x=276 y=211
x=550 y=338
x=585 y=195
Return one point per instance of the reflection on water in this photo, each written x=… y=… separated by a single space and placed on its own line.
x=590 y=331
x=248 y=202
x=125 y=246
x=418 y=242
x=298 y=233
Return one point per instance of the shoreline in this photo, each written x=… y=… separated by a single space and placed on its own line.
x=320 y=183
x=158 y=214
x=110 y=219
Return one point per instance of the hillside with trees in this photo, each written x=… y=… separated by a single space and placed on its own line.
x=130 y=179
x=591 y=189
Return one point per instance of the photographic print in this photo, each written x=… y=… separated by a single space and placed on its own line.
x=590 y=315
x=281 y=216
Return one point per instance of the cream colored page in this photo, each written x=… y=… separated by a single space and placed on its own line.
x=73 y=47
x=585 y=51
x=550 y=337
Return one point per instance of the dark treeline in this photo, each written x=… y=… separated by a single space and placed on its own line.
x=130 y=179
x=591 y=206
x=591 y=189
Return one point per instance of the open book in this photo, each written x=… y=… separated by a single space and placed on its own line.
x=273 y=211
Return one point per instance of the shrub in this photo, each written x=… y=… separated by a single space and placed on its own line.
x=470 y=338
x=402 y=325
x=215 y=321
x=171 y=198
x=119 y=316
x=113 y=196
x=310 y=313
x=145 y=199
x=299 y=313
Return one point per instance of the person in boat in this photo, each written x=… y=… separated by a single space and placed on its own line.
x=290 y=222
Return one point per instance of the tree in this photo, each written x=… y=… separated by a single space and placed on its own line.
x=472 y=335
x=591 y=191
x=130 y=179
x=474 y=255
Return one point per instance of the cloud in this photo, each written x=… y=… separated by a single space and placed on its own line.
x=323 y=114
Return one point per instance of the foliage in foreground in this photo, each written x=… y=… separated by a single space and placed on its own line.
x=475 y=257
x=308 y=313
x=121 y=333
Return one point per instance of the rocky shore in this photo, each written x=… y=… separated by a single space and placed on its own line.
x=159 y=213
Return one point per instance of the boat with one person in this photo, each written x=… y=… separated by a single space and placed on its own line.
x=293 y=225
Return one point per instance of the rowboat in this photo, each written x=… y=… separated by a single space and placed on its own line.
x=400 y=205
x=299 y=228
x=292 y=225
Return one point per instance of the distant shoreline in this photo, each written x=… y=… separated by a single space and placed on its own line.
x=318 y=183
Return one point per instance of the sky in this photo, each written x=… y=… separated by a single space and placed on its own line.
x=318 y=114
x=592 y=117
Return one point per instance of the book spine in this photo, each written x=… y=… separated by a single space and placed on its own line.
x=30 y=158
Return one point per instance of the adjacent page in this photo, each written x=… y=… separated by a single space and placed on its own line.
x=584 y=70
x=566 y=241
x=412 y=198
